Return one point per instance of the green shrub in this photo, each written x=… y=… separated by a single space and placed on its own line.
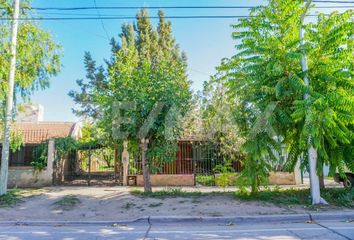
x=225 y=180
x=11 y=198
x=205 y=180
x=338 y=197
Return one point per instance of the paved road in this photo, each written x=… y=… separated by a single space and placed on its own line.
x=331 y=230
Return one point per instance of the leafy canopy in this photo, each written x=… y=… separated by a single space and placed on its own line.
x=38 y=56
x=146 y=75
x=265 y=78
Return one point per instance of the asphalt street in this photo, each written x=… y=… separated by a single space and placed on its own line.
x=322 y=230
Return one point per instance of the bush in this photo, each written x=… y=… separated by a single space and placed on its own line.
x=11 y=198
x=225 y=180
x=205 y=180
x=339 y=196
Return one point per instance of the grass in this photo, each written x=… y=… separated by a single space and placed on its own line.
x=16 y=196
x=338 y=197
x=105 y=168
x=68 y=202
x=166 y=193
x=11 y=198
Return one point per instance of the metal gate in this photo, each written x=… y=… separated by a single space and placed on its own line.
x=87 y=167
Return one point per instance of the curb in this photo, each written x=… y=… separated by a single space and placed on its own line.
x=292 y=218
x=239 y=219
x=78 y=223
x=344 y=216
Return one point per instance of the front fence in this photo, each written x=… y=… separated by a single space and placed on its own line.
x=87 y=166
x=192 y=158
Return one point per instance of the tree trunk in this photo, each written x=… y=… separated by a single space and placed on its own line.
x=147 y=183
x=146 y=174
x=322 y=183
x=107 y=159
x=4 y=171
x=314 y=179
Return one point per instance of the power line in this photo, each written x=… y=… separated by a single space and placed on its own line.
x=125 y=18
x=200 y=72
x=99 y=15
x=81 y=14
x=320 y=1
x=139 y=7
x=173 y=7
x=134 y=17
x=115 y=15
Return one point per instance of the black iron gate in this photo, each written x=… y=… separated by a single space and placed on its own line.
x=88 y=167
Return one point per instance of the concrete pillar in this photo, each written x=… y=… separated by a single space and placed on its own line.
x=51 y=152
x=125 y=161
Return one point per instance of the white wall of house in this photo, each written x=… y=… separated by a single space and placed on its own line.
x=26 y=177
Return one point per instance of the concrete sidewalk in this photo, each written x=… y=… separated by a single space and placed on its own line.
x=190 y=228
x=283 y=218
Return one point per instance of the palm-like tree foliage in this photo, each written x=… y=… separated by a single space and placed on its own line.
x=266 y=72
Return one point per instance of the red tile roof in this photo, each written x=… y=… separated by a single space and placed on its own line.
x=34 y=133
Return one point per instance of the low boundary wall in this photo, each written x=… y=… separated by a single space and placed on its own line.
x=27 y=177
x=283 y=178
x=167 y=180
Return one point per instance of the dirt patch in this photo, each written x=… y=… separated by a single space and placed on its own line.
x=117 y=203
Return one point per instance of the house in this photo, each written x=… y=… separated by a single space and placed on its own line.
x=34 y=133
x=194 y=157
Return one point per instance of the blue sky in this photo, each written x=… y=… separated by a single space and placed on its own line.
x=206 y=42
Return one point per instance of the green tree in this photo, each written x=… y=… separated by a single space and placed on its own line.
x=146 y=82
x=87 y=98
x=37 y=59
x=38 y=56
x=218 y=123
x=265 y=77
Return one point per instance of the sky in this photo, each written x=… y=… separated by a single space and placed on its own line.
x=205 y=41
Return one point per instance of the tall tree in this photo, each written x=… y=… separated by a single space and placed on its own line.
x=266 y=78
x=87 y=97
x=311 y=151
x=38 y=56
x=219 y=125
x=147 y=83
x=37 y=59
x=327 y=111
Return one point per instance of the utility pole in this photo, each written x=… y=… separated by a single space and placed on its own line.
x=9 y=103
x=311 y=151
